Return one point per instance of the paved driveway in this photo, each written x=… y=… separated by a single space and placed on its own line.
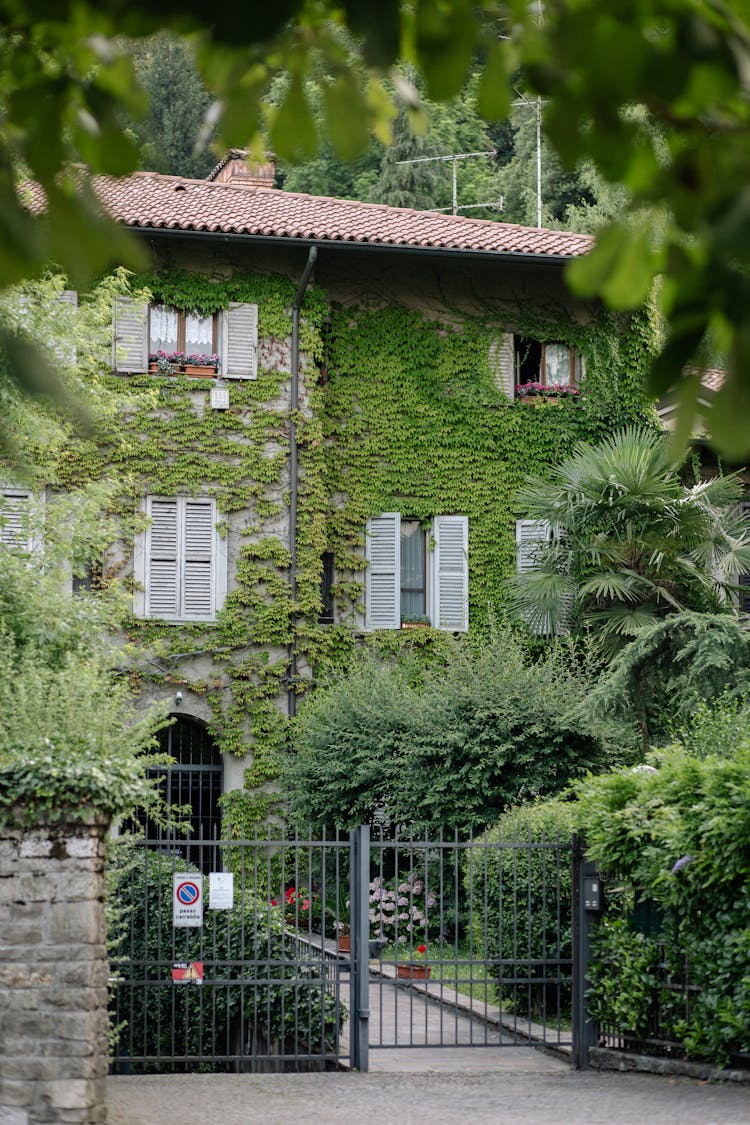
x=439 y=1086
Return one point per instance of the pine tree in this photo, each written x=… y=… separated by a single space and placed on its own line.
x=178 y=104
x=407 y=185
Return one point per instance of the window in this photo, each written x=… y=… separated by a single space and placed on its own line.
x=413 y=573
x=326 y=589
x=173 y=331
x=547 y=363
x=232 y=334
x=194 y=783
x=180 y=563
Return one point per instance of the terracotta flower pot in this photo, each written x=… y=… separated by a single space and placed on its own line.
x=344 y=943
x=413 y=971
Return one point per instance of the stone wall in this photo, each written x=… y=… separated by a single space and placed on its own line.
x=53 y=975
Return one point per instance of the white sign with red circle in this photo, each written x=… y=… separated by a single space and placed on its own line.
x=187 y=900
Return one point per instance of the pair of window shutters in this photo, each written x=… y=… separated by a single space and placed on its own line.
x=238 y=338
x=179 y=566
x=448 y=570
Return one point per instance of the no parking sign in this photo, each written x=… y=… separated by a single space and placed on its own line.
x=187 y=900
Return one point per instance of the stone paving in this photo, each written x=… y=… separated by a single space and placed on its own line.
x=455 y=1090
x=413 y=1085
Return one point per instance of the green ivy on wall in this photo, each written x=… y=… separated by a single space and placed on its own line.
x=402 y=413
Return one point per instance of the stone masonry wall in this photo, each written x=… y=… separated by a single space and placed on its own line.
x=53 y=976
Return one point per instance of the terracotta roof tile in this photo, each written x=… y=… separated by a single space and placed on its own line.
x=151 y=201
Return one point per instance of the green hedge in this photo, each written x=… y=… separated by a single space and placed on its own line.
x=677 y=833
x=257 y=987
x=520 y=900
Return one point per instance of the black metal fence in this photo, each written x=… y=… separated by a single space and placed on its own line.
x=335 y=946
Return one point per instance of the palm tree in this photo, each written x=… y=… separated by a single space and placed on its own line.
x=621 y=540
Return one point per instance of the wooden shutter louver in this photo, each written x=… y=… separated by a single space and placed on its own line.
x=162 y=579
x=530 y=535
x=197 y=585
x=130 y=340
x=451 y=573
x=14 y=526
x=383 y=577
x=239 y=342
x=67 y=354
x=503 y=364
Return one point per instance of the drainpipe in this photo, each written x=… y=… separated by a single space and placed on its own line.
x=293 y=471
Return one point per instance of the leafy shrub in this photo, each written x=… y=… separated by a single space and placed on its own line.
x=472 y=738
x=677 y=833
x=260 y=991
x=520 y=903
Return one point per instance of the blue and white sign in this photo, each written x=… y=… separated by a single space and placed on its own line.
x=187 y=899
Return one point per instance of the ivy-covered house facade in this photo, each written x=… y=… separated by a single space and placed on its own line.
x=328 y=408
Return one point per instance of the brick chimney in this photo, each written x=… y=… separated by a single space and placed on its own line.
x=234 y=169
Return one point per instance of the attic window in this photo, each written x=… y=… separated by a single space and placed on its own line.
x=547 y=363
x=180 y=187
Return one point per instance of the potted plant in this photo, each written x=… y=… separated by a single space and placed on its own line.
x=539 y=393
x=165 y=363
x=417 y=968
x=201 y=364
x=414 y=621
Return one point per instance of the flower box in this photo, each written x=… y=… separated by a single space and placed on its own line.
x=204 y=370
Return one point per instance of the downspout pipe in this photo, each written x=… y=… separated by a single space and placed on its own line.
x=293 y=467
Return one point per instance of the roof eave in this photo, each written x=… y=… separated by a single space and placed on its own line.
x=345 y=244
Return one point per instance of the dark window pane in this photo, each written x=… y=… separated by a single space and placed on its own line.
x=326 y=590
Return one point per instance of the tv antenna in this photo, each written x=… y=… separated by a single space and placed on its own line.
x=454 y=157
x=536 y=105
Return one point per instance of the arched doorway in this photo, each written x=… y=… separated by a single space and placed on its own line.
x=193 y=783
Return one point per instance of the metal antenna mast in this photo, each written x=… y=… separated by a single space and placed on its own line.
x=454 y=157
x=537 y=107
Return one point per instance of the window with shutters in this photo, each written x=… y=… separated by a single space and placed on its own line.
x=417 y=575
x=180 y=561
x=228 y=338
x=551 y=364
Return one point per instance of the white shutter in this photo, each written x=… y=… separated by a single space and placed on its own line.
x=529 y=535
x=130 y=340
x=503 y=363
x=450 y=573
x=239 y=342
x=383 y=575
x=15 y=504
x=68 y=354
x=198 y=560
x=162 y=555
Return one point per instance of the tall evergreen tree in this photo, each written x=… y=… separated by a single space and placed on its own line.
x=407 y=185
x=178 y=103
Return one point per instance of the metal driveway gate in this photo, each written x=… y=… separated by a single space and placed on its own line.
x=336 y=946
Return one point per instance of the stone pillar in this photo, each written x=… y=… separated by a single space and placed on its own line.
x=53 y=975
